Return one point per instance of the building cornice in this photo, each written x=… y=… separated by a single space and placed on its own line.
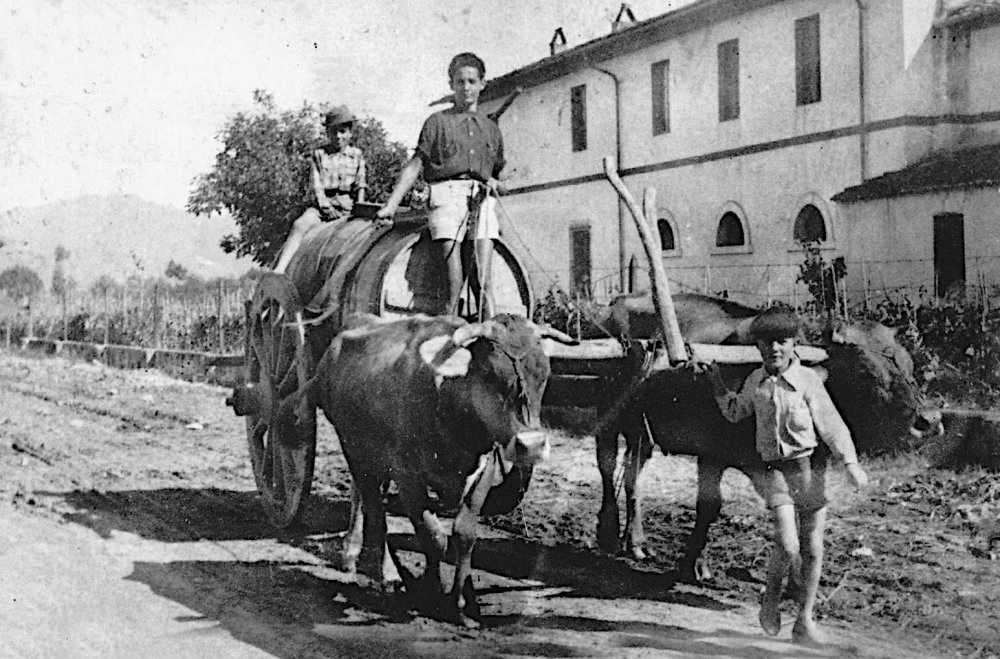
x=641 y=35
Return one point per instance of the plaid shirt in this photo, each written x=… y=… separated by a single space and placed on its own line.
x=342 y=171
x=791 y=409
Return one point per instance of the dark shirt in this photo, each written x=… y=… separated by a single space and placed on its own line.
x=455 y=144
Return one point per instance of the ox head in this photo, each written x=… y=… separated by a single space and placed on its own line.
x=491 y=377
x=871 y=380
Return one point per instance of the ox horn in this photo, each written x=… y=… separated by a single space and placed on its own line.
x=466 y=334
x=547 y=332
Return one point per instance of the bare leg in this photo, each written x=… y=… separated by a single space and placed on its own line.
x=451 y=257
x=483 y=274
x=785 y=551
x=812 y=525
x=306 y=221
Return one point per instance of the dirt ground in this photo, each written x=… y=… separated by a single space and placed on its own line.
x=129 y=526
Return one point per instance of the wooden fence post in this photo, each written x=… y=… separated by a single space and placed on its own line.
x=107 y=317
x=218 y=315
x=157 y=317
x=65 y=331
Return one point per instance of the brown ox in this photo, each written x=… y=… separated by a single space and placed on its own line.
x=435 y=403
x=870 y=380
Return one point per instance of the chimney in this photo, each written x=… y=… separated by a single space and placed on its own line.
x=624 y=20
x=558 y=42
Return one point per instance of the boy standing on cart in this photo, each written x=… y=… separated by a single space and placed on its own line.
x=460 y=152
x=337 y=172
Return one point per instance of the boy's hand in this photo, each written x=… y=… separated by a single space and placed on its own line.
x=711 y=370
x=857 y=475
x=383 y=216
x=498 y=187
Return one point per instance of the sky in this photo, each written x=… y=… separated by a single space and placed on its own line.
x=103 y=97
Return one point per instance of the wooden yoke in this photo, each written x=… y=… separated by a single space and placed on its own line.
x=676 y=352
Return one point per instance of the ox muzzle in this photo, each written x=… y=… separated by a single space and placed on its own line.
x=927 y=423
x=531 y=447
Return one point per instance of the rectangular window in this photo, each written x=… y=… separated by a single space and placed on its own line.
x=579 y=260
x=729 y=80
x=578 y=116
x=807 y=75
x=660 y=76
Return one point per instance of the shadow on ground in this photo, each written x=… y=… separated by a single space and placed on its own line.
x=288 y=609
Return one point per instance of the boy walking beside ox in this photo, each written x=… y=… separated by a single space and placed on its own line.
x=460 y=152
x=791 y=407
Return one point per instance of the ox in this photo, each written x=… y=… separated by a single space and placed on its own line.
x=435 y=403
x=870 y=378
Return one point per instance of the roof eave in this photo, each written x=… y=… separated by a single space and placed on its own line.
x=653 y=30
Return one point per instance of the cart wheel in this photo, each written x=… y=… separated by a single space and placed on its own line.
x=282 y=445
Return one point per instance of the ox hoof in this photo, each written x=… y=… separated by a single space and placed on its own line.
x=607 y=541
x=639 y=552
x=806 y=633
x=694 y=574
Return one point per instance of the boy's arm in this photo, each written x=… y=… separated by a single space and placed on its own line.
x=407 y=177
x=361 y=180
x=734 y=406
x=829 y=425
x=317 y=184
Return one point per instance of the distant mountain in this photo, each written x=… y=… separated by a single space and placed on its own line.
x=117 y=236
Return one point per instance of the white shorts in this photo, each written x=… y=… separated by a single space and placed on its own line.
x=449 y=212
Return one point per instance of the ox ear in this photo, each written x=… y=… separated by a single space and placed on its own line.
x=447 y=359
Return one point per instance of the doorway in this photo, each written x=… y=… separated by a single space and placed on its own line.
x=949 y=251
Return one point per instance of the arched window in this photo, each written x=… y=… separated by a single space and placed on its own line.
x=666 y=232
x=730 y=232
x=810 y=227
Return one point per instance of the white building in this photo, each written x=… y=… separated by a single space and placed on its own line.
x=759 y=123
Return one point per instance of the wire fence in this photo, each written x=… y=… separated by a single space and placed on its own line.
x=210 y=317
x=866 y=283
x=147 y=314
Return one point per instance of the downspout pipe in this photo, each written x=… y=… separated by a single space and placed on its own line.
x=862 y=116
x=622 y=269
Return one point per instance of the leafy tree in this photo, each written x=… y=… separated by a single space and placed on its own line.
x=20 y=281
x=261 y=174
x=103 y=284
x=176 y=271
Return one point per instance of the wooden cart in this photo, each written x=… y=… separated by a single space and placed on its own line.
x=341 y=268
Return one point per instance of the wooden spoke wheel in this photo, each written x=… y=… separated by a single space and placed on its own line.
x=282 y=439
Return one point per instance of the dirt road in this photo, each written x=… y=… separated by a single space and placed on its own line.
x=129 y=527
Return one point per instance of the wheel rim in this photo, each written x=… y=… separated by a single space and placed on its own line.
x=282 y=447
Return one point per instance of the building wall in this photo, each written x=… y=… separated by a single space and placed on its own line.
x=898 y=250
x=767 y=164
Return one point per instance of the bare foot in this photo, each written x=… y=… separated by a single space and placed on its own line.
x=770 y=617
x=805 y=632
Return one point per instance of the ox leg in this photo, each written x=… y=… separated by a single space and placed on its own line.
x=639 y=448
x=355 y=529
x=607 y=517
x=693 y=567
x=430 y=534
x=372 y=560
x=463 y=593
